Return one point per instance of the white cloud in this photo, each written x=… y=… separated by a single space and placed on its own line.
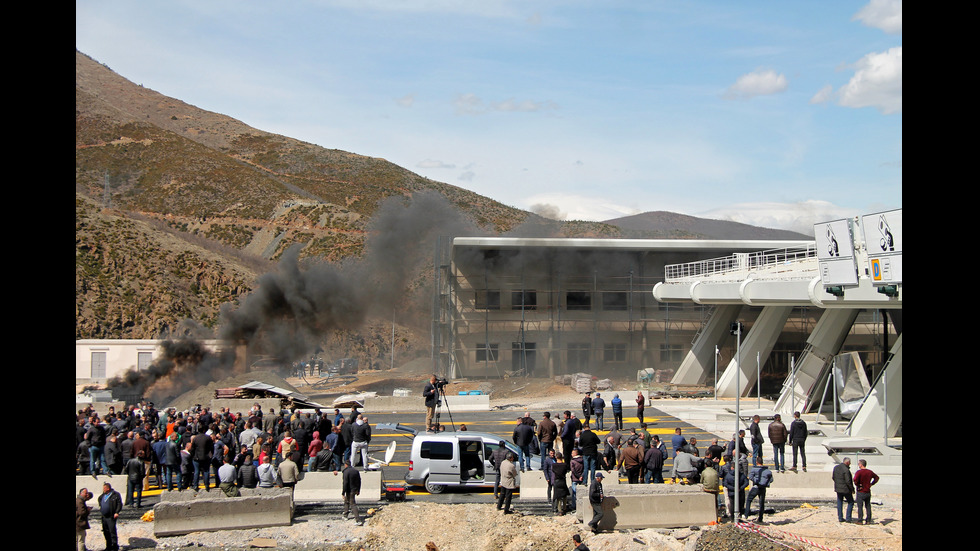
x=406 y=101
x=761 y=82
x=471 y=104
x=525 y=105
x=799 y=217
x=877 y=82
x=882 y=14
x=433 y=163
x=823 y=95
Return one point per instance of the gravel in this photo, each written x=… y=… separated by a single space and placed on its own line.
x=479 y=526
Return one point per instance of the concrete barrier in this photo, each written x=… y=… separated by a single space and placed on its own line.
x=327 y=487
x=638 y=506
x=184 y=512
x=415 y=404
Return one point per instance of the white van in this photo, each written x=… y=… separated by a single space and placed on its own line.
x=460 y=458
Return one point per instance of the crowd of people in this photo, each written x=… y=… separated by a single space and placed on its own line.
x=203 y=450
x=570 y=448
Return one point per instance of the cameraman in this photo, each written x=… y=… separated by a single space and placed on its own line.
x=431 y=395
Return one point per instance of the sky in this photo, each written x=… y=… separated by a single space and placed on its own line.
x=778 y=114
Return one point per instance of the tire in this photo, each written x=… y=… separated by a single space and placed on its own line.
x=433 y=488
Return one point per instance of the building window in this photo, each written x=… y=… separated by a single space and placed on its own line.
x=615 y=300
x=578 y=356
x=578 y=300
x=526 y=299
x=614 y=352
x=486 y=353
x=671 y=353
x=143 y=360
x=488 y=300
x=98 y=365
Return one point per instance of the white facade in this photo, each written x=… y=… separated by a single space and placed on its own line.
x=97 y=360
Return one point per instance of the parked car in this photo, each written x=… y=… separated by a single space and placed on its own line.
x=442 y=459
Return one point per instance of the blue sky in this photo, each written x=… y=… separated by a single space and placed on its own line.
x=779 y=114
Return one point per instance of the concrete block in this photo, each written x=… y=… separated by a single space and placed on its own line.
x=184 y=512
x=638 y=506
x=327 y=487
x=533 y=486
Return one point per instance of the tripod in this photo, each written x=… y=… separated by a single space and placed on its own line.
x=441 y=393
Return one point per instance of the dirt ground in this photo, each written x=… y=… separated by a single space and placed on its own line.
x=478 y=527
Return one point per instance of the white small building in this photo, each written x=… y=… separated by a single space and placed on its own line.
x=98 y=360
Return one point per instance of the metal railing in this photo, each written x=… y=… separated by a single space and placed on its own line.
x=739 y=264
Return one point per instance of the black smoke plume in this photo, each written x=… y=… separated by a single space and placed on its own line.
x=294 y=307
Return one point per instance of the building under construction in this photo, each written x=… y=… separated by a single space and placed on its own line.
x=544 y=307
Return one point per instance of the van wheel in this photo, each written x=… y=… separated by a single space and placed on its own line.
x=433 y=488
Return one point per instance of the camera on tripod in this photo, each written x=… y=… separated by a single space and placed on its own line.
x=441 y=383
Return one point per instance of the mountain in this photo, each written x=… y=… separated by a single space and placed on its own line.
x=672 y=225
x=181 y=212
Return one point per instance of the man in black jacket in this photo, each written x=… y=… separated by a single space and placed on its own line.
x=351 y=489
x=595 y=500
x=588 y=444
x=523 y=437
x=110 y=505
x=201 y=450
x=797 y=437
x=571 y=426
x=431 y=395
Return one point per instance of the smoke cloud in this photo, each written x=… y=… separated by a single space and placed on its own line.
x=294 y=307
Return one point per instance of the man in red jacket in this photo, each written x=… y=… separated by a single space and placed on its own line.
x=864 y=479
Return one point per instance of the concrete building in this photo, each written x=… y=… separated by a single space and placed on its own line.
x=546 y=307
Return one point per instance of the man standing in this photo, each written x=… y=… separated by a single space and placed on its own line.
x=761 y=478
x=653 y=461
x=727 y=475
x=135 y=471
x=598 y=406
x=110 y=505
x=844 y=487
x=777 y=437
x=96 y=437
x=632 y=460
x=266 y=473
x=586 y=408
x=864 y=479
x=547 y=465
x=572 y=425
x=617 y=405
x=595 y=500
x=547 y=432
x=431 y=395
x=361 y=431
x=201 y=450
x=497 y=460
x=641 y=401
x=523 y=436
x=588 y=443
x=677 y=441
x=82 y=511
x=350 y=491
x=757 y=440
x=797 y=438
x=508 y=483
